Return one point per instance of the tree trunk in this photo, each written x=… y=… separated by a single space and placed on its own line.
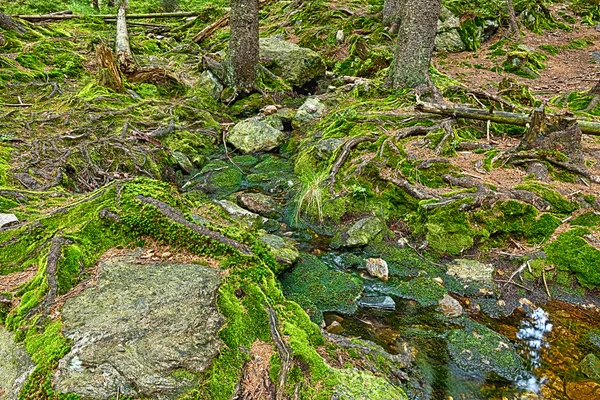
x=125 y=58
x=8 y=23
x=513 y=26
x=390 y=11
x=111 y=3
x=243 y=43
x=95 y=4
x=416 y=39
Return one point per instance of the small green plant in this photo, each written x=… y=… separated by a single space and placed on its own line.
x=310 y=196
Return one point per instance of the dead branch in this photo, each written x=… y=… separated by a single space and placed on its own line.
x=125 y=59
x=42 y=17
x=110 y=76
x=176 y=216
x=482 y=94
x=10 y=24
x=500 y=117
x=210 y=29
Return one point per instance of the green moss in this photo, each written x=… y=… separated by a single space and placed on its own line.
x=558 y=202
x=571 y=253
x=448 y=229
x=589 y=219
x=424 y=291
x=317 y=288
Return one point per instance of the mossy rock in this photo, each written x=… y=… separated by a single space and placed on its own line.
x=424 y=291
x=218 y=179
x=360 y=385
x=479 y=350
x=318 y=288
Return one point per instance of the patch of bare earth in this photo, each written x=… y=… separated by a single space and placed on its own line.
x=11 y=281
x=256 y=383
x=570 y=70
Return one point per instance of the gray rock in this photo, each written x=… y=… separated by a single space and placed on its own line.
x=363 y=232
x=7 y=219
x=378 y=302
x=447 y=21
x=450 y=307
x=209 y=82
x=253 y=135
x=471 y=271
x=15 y=366
x=259 y=203
x=326 y=147
x=140 y=324
x=184 y=162
x=240 y=215
x=296 y=65
x=284 y=249
x=595 y=56
x=490 y=26
x=378 y=268
x=311 y=110
x=449 y=42
x=597 y=28
x=273 y=121
x=339 y=36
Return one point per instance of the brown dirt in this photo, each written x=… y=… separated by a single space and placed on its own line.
x=10 y=282
x=570 y=70
x=256 y=384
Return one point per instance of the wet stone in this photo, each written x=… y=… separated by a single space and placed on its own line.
x=139 y=325
x=378 y=268
x=583 y=390
x=378 y=303
x=450 y=307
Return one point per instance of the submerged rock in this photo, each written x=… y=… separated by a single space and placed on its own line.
x=145 y=330
x=378 y=268
x=296 y=65
x=590 y=366
x=479 y=350
x=15 y=366
x=253 y=135
x=583 y=390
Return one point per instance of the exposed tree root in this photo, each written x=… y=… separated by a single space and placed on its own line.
x=343 y=156
x=285 y=354
x=478 y=93
x=176 y=216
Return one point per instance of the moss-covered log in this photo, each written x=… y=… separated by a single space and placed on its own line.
x=500 y=117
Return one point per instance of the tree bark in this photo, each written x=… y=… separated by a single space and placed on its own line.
x=125 y=58
x=390 y=11
x=513 y=26
x=500 y=117
x=243 y=43
x=8 y=23
x=416 y=39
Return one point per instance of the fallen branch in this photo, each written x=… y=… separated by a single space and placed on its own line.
x=176 y=216
x=8 y=23
x=500 y=117
x=210 y=29
x=125 y=59
x=41 y=17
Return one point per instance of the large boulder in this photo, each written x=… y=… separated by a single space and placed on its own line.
x=296 y=65
x=361 y=233
x=15 y=366
x=145 y=331
x=284 y=249
x=253 y=135
x=468 y=271
x=448 y=38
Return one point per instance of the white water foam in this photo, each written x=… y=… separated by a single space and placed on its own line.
x=532 y=334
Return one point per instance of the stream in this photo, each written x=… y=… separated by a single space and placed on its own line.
x=556 y=342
